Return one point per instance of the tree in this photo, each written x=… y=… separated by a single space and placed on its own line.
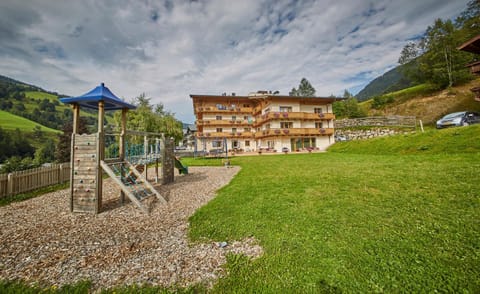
x=151 y=118
x=349 y=107
x=46 y=152
x=62 y=150
x=304 y=89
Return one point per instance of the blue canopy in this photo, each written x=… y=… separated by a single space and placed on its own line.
x=100 y=93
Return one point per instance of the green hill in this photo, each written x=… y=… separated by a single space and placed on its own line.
x=393 y=80
x=10 y=121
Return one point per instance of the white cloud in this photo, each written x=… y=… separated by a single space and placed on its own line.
x=170 y=49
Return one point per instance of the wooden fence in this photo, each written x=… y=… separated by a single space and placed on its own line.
x=31 y=179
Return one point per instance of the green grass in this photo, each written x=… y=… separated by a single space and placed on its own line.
x=41 y=95
x=446 y=141
x=354 y=222
x=10 y=121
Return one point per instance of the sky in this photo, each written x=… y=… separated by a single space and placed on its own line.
x=170 y=49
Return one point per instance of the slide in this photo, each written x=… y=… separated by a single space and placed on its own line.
x=181 y=168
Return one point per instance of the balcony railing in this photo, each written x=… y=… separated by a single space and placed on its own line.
x=294 y=132
x=293 y=116
x=214 y=122
x=303 y=132
x=214 y=109
x=225 y=135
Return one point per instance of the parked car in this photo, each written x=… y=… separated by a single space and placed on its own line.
x=339 y=138
x=456 y=119
x=285 y=149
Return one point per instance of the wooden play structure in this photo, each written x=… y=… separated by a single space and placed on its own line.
x=88 y=161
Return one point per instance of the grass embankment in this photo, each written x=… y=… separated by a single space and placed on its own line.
x=446 y=141
x=355 y=222
x=424 y=101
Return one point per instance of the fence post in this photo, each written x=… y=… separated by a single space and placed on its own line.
x=60 y=173
x=10 y=184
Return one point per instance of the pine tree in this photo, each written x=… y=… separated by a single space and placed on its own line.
x=304 y=89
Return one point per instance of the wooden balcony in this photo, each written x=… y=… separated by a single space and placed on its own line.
x=226 y=110
x=239 y=135
x=223 y=123
x=294 y=132
x=293 y=116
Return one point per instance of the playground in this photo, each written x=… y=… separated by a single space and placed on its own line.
x=42 y=241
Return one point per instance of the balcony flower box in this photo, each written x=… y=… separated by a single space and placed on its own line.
x=285 y=114
x=321 y=115
x=276 y=115
x=286 y=131
x=277 y=132
x=322 y=131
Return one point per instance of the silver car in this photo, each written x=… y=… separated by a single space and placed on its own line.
x=463 y=118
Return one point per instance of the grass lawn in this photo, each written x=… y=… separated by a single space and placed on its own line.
x=352 y=222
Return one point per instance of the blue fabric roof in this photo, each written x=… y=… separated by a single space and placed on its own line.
x=100 y=93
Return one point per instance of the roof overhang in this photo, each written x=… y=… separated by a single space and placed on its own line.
x=472 y=45
x=100 y=93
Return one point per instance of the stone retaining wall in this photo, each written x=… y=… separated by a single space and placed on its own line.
x=352 y=134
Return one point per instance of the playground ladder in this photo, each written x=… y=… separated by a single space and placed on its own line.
x=132 y=183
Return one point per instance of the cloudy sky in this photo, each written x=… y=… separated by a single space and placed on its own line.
x=170 y=49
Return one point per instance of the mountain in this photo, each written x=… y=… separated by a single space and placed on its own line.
x=392 y=80
x=39 y=105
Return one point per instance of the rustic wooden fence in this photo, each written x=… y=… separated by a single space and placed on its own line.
x=31 y=179
x=378 y=121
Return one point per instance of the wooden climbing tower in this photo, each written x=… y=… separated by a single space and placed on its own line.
x=88 y=157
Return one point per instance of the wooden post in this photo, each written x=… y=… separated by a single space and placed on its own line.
x=145 y=154
x=421 y=126
x=121 y=149
x=100 y=156
x=76 y=119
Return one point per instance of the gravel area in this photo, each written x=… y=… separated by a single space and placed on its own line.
x=41 y=241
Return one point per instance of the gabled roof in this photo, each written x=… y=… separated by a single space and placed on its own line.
x=472 y=45
x=100 y=93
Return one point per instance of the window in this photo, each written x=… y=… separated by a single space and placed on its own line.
x=246 y=105
x=218 y=117
x=267 y=126
x=267 y=110
x=318 y=110
x=247 y=143
x=234 y=117
x=318 y=125
x=286 y=124
x=246 y=129
x=285 y=109
x=235 y=144
x=245 y=117
x=234 y=130
x=217 y=144
x=219 y=130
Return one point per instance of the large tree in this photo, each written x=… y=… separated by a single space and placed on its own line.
x=304 y=89
x=434 y=58
x=151 y=118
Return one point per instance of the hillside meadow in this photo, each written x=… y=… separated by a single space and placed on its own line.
x=10 y=121
x=396 y=214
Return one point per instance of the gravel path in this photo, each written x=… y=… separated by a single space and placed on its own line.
x=41 y=241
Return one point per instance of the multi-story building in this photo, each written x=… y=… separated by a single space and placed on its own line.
x=263 y=121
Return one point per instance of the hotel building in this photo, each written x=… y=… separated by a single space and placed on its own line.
x=263 y=121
